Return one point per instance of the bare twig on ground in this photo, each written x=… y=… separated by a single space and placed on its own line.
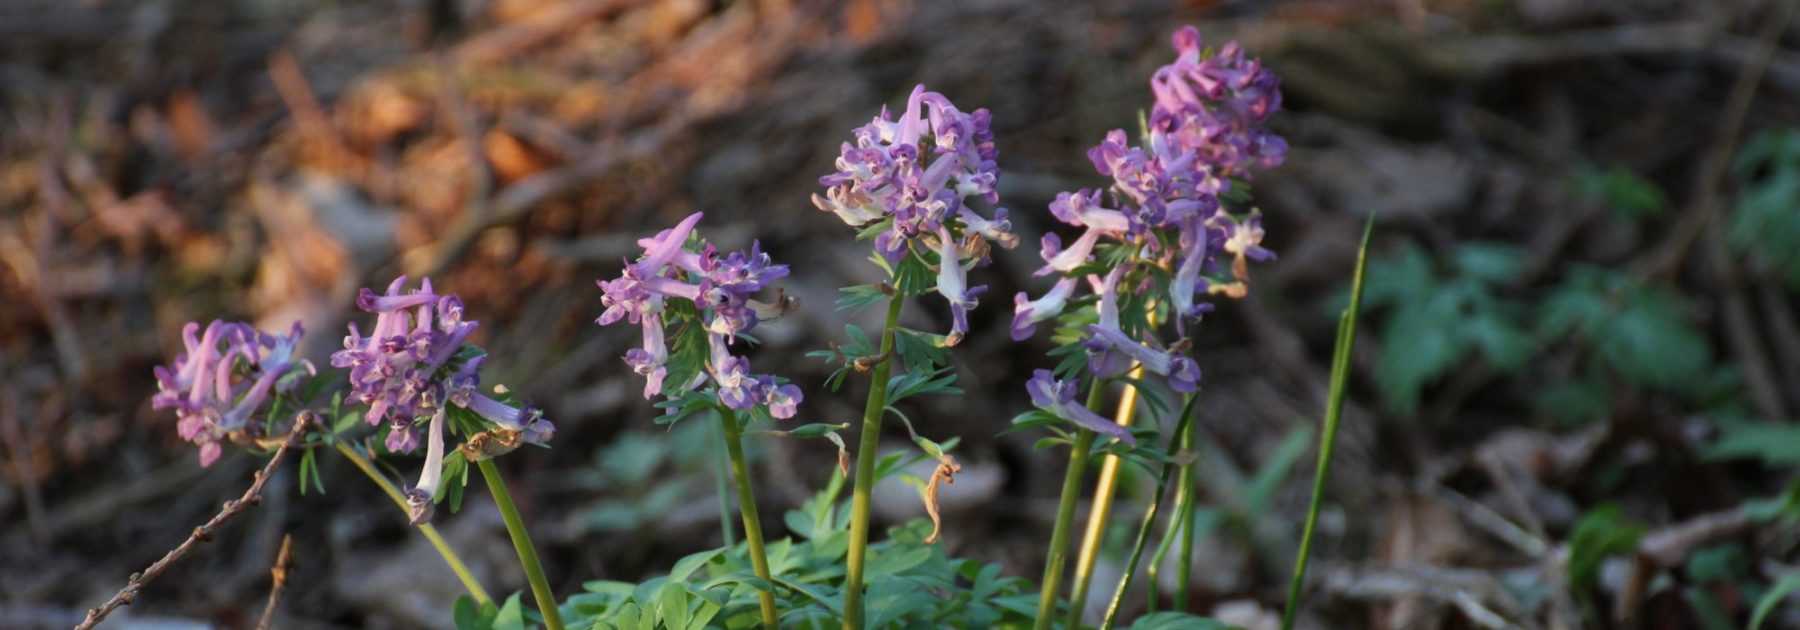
x=1473 y=592
x=203 y=533
x=510 y=40
x=278 y=575
x=1669 y=547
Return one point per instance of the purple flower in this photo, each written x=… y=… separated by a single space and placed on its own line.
x=1027 y=313
x=783 y=400
x=407 y=369
x=920 y=172
x=419 y=497
x=1216 y=106
x=1058 y=397
x=723 y=288
x=222 y=378
x=953 y=284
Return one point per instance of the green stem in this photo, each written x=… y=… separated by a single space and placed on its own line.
x=866 y=452
x=1334 y=408
x=1143 y=534
x=1180 y=526
x=431 y=533
x=521 y=540
x=1184 y=566
x=726 y=532
x=1065 y=517
x=759 y=561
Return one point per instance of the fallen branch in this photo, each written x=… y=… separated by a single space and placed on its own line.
x=203 y=533
x=278 y=580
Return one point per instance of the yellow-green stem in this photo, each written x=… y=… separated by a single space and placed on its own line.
x=1100 y=509
x=1065 y=517
x=869 y=444
x=431 y=533
x=521 y=540
x=759 y=561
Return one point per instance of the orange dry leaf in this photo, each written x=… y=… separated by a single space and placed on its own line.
x=946 y=473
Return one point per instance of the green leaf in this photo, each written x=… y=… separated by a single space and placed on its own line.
x=1489 y=262
x=469 y=616
x=672 y=605
x=894 y=562
x=1629 y=195
x=1787 y=585
x=1503 y=343
x=914 y=277
x=859 y=296
x=688 y=565
x=511 y=615
x=1420 y=344
x=1602 y=532
x=1574 y=401
x=1398 y=279
x=1775 y=444
x=346 y=421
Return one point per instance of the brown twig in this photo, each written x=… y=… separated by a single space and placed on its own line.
x=1668 y=254
x=203 y=533
x=278 y=575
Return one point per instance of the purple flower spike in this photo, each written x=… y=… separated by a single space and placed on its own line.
x=723 y=289
x=1027 y=314
x=222 y=378
x=1217 y=106
x=407 y=368
x=1058 y=398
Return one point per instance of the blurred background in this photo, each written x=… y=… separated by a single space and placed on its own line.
x=1573 y=396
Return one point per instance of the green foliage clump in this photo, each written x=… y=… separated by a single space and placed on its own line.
x=1437 y=320
x=1766 y=223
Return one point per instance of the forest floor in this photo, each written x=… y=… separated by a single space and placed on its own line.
x=163 y=161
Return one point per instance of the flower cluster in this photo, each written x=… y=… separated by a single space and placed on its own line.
x=723 y=289
x=411 y=365
x=915 y=176
x=222 y=377
x=1166 y=210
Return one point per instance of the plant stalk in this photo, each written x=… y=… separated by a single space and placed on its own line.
x=1100 y=510
x=759 y=561
x=726 y=533
x=1334 y=408
x=1143 y=534
x=866 y=452
x=431 y=533
x=521 y=540
x=1065 y=517
x=1185 y=502
x=1179 y=527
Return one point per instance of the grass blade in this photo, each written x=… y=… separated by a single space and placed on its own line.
x=1334 y=408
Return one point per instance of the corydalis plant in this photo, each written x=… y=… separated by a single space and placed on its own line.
x=416 y=364
x=224 y=375
x=907 y=183
x=1152 y=246
x=714 y=292
x=1163 y=228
